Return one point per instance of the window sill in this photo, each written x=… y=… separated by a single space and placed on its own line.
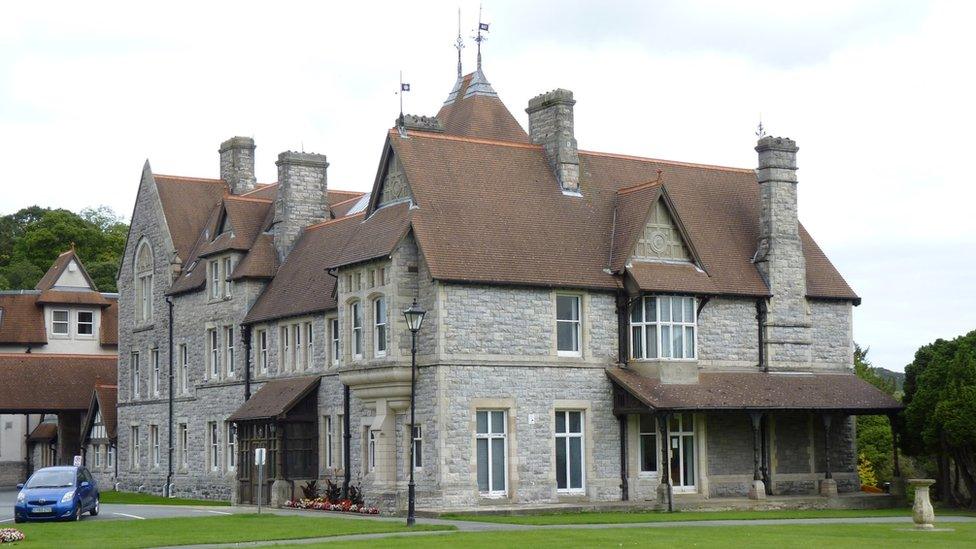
x=569 y=354
x=143 y=328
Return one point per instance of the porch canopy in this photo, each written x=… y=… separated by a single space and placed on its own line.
x=275 y=399
x=841 y=393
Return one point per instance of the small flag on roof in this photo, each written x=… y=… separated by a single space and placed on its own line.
x=483 y=26
x=404 y=87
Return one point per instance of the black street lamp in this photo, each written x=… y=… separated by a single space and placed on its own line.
x=415 y=317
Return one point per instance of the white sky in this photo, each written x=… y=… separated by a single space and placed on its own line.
x=878 y=95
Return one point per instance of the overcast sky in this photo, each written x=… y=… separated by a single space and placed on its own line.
x=878 y=95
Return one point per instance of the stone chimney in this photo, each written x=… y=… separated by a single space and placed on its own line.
x=237 y=164
x=551 y=125
x=301 y=200
x=780 y=257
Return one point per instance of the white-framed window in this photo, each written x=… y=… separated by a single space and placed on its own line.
x=307 y=357
x=231 y=446
x=213 y=455
x=334 y=336
x=296 y=334
x=340 y=420
x=285 y=342
x=110 y=456
x=228 y=265
x=135 y=448
x=213 y=351
x=570 y=459
x=647 y=438
x=663 y=327
x=263 y=351
x=229 y=356
x=134 y=374
x=154 y=380
x=379 y=326
x=97 y=450
x=213 y=267
x=371 y=449
x=356 y=314
x=491 y=435
x=417 y=439
x=329 y=439
x=154 y=445
x=184 y=442
x=184 y=369
x=85 y=325
x=59 y=322
x=144 y=283
x=568 y=325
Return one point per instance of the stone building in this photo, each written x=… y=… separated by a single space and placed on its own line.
x=599 y=327
x=56 y=342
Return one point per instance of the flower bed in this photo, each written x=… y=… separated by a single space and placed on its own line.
x=322 y=504
x=10 y=535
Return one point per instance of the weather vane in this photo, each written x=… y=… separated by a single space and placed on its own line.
x=404 y=87
x=760 y=129
x=479 y=38
x=459 y=43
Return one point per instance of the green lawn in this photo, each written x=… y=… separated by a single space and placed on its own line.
x=622 y=517
x=860 y=536
x=104 y=534
x=134 y=498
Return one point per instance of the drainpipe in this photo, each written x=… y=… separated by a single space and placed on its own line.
x=624 y=488
x=28 y=451
x=623 y=327
x=169 y=460
x=246 y=336
x=761 y=323
x=346 y=436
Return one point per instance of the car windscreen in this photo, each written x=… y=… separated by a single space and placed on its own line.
x=52 y=479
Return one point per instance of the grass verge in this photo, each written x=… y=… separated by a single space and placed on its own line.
x=105 y=534
x=627 y=517
x=134 y=498
x=859 y=536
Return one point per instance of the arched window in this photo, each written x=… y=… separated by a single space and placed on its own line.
x=144 y=283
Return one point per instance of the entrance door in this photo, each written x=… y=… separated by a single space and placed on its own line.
x=682 y=448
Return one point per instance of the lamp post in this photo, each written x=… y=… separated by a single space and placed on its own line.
x=415 y=317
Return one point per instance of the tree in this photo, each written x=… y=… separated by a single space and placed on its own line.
x=32 y=238
x=874 y=439
x=940 y=414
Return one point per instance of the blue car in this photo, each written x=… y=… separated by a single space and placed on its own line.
x=57 y=493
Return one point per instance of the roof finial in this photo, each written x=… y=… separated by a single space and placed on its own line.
x=479 y=38
x=760 y=130
x=459 y=43
x=404 y=87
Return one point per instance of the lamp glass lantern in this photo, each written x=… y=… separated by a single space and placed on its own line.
x=415 y=317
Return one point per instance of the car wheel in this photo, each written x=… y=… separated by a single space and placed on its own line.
x=18 y=520
x=94 y=509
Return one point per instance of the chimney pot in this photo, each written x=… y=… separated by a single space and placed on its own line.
x=237 y=164
x=302 y=197
x=551 y=125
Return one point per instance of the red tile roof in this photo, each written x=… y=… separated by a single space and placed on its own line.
x=48 y=383
x=108 y=333
x=481 y=116
x=57 y=269
x=44 y=432
x=104 y=399
x=187 y=204
x=21 y=320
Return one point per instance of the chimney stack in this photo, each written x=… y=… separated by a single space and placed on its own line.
x=780 y=256
x=301 y=200
x=551 y=125
x=237 y=164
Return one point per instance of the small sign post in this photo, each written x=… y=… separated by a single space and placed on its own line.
x=78 y=461
x=259 y=458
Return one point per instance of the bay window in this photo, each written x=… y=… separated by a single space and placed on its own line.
x=379 y=326
x=356 y=312
x=334 y=335
x=663 y=327
x=263 y=351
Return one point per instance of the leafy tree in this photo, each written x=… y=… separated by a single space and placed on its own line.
x=940 y=417
x=874 y=439
x=32 y=238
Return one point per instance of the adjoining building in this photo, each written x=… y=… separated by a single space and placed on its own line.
x=56 y=342
x=599 y=326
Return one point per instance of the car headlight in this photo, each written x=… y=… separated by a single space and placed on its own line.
x=68 y=496
x=21 y=497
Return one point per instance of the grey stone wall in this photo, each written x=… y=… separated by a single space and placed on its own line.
x=728 y=334
x=11 y=473
x=833 y=344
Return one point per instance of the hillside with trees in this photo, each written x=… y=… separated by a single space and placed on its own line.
x=32 y=238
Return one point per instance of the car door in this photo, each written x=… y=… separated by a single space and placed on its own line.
x=85 y=489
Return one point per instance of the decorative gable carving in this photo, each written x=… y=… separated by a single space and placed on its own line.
x=395 y=186
x=661 y=239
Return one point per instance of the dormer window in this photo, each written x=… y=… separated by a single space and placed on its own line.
x=218 y=273
x=379 y=326
x=228 y=268
x=215 y=286
x=59 y=322
x=356 y=312
x=663 y=327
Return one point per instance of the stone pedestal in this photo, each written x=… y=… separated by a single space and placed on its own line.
x=922 y=512
x=757 y=490
x=828 y=488
x=280 y=493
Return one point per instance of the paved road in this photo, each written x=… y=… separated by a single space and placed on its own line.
x=120 y=511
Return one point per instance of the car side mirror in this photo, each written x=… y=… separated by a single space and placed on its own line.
x=20 y=486
x=85 y=484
